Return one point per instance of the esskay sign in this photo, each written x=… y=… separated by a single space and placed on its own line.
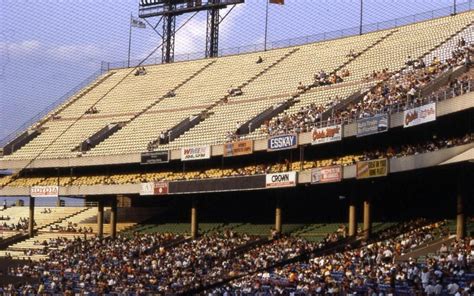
x=44 y=191
x=282 y=142
x=372 y=168
x=419 y=115
x=194 y=153
x=280 y=180
x=326 y=174
x=326 y=134
x=154 y=188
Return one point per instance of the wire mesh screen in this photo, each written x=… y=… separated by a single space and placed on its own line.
x=51 y=49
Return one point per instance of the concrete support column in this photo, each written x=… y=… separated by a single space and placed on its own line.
x=100 y=219
x=31 y=222
x=278 y=219
x=460 y=217
x=367 y=220
x=194 y=221
x=352 y=219
x=113 y=217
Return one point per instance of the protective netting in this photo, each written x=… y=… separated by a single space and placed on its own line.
x=50 y=49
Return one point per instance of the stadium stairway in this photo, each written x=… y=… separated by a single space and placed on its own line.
x=161 y=98
x=437 y=48
x=75 y=98
x=380 y=40
x=294 y=97
x=58 y=217
x=175 y=88
x=420 y=253
x=208 y=111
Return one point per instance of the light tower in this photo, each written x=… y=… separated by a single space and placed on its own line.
x=169 y=10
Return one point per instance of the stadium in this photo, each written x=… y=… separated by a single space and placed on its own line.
x=333 y=156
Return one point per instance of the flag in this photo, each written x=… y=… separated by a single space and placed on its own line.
x=281 y=2
x=137 y=23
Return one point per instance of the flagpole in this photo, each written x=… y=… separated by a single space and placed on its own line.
x=130 y=40
x=266 y=26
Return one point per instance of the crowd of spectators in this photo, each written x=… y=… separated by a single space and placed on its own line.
x=21 y=225
x=144 y=264
x=170 y=264
x=396 y=88
x=70 y=227
x=370 y=270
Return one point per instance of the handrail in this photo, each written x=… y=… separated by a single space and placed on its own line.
x=352 y=31
x=50 y=107
x=435 y=97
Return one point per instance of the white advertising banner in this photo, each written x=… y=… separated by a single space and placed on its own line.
x=419 y=115
x=194 y=153
x=44 y=191
x=280 y=180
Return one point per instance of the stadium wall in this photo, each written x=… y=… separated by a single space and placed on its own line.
x=396 y=165
x=443 y=108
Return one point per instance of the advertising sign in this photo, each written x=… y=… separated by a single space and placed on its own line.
x=195 y=153
x=44 y=191
x=155 y=157
x=282 y=142
x=372 y=125
x=154 y=188
x=372 y=168
x=419 y=115
x=238 y=148
x=326 y=174
x=280 y=180
x=326 y=134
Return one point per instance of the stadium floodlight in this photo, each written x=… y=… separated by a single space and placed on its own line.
x=168 y=10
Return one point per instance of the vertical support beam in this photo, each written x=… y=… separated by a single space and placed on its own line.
x=460 y=217
x=113 y=217
x=31 y=222
x=169 y=26
x=367 y=219
x=212 y=32
x=194 y=221
x=352 y=218
x=100 y=219
x=278 y=215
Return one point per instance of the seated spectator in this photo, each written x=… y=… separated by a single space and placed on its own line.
x=352 y=54
x=170 y=94
x=140 y=71
x=301 y=87
x=92 y=110
x=163 y=137
x=234 y=91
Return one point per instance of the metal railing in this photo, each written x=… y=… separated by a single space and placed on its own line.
x=402 y=21
x=50 y=107
x=436 y=97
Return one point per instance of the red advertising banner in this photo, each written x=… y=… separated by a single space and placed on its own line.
x=327 y=134
x=154 y=188
x=326 y=174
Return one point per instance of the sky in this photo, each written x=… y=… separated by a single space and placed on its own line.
x=48 y=47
